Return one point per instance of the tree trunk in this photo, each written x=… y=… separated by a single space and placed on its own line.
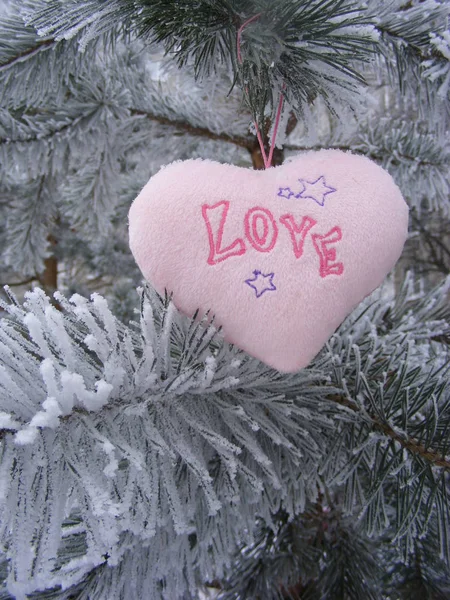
x=49 y=278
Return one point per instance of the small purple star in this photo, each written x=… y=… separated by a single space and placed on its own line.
x=260 y=283
x=286 y=192
x=315 y=190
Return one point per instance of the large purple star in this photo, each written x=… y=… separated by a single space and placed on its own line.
x=261 y=283
x=316 y=190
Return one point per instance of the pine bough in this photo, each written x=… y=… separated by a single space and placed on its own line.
x=136 y=458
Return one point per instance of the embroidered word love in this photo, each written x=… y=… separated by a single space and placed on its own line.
x=261 y=231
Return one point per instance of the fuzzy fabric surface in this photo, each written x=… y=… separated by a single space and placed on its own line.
x=279 y=256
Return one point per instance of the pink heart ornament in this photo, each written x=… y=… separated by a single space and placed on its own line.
x=280 y=256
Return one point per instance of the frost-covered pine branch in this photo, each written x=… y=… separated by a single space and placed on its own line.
x=413 y=36
x=108 y=118
x=167 y=438
x=177 y=427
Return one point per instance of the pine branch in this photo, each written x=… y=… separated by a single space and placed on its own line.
x=18 y=283
x=67 y=127
x=319 y=61
x=319 y=554
x=334 y=36
x=430 y=248
x=429 y=455
x=423 y=575
x=240 y=141
x=405 y=35
x=398 y=445
x=204 y=432
x=185 y=127
x=26 y=54
x=27 y=225
x=416 y=156
x=31 y=66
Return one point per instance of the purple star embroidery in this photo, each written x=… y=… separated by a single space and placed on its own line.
x=285 y=192
x=316 y=190
x=261 y=283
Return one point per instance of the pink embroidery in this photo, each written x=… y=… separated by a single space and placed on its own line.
x=216 y=252
x=261 y=240
x=328 y=255
x=298 y=233
x=264 y=242
x=261 y=230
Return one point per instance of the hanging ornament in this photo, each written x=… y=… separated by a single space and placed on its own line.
x=280 y=256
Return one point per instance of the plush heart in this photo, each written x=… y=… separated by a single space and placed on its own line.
x=280 y=256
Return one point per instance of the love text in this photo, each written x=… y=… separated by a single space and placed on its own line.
x=261 y=231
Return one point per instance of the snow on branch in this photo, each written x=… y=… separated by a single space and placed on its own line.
x=130 y=424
